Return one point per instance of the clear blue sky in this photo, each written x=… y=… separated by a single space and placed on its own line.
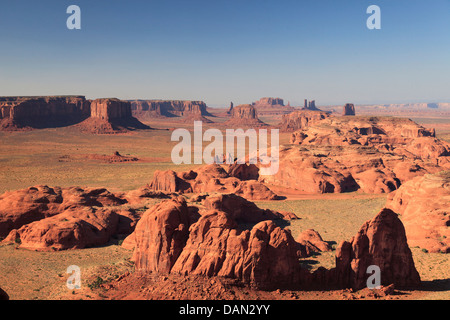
x=228 y=50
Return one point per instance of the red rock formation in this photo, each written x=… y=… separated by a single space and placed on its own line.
x=271 y=106
x=265 y=257
x=160 y=236
x=75 y=228
x=147 y=109
x=301 y=119
x=210 y=178
x=18 y=113
x=242 y=210
x=244 y=115
x=312 y=242
x=349 y=109
x=110 y=109
x=269 y=101
x=380 y=242
x=423 y=203
x=110 y=116
x=21 y=207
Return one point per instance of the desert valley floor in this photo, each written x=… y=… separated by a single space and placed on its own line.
x=67 y=157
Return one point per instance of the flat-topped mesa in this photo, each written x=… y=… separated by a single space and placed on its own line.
x=110 y=108
x=349 y=109
x=301 y=119
x=272 y=106
x=269 y=102
x=168 y=108
x=41 y=112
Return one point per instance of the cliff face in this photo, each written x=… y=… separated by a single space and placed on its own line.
x=97 y=116
x=43 y=111
x=168 y=108
x=109 y=109
x=301 y=119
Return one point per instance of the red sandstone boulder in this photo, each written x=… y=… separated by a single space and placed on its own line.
x=380 y=242
x=75 y=228
x=423 y=203
x=264 y=257
x=312 y=242
x=242 y=210
x=20 y=207
x=160 y=236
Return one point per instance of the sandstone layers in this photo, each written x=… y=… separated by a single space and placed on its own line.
x=189 y=110
x=301 y=119
x=97 y=116
x=424 y=204
x=52 y=218
x=18 y=113
x=370 y=154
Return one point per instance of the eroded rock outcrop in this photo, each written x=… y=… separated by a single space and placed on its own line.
x=242 y=210
x=167 y=240
x=244 y=115
x=110 y=116
x=21 y=113
x=312 y=242
x=75 y=228
x=381 y=242
x=213 y=178
x=160 y=236
x=370 y=154
x=423 y=203
x=301 y=119
x=21 y=207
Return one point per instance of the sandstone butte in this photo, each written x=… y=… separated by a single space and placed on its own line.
x=244 y=115
x=168 y=240
x=98 y=116
x=423 y=203
x=349 y=110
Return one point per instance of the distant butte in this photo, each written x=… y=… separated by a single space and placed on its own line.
x=109 y=115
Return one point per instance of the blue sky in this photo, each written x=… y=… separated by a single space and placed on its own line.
x=221 y=51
